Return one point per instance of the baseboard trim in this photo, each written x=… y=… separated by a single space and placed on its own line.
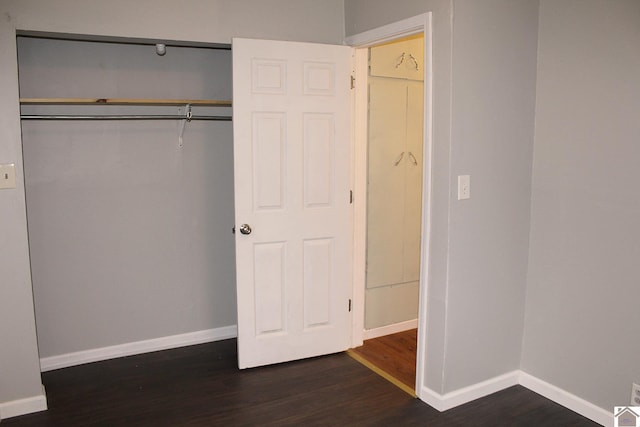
x=467 y=394
x=138 y=347
x=436 y=400
x=389 y=329
x=24 y=406
x=566 y=399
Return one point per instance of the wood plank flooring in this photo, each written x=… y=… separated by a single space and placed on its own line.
x=201 y=386
x=395 y=354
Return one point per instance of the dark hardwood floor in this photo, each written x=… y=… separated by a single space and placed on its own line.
x=395 y=354
x=201 y=386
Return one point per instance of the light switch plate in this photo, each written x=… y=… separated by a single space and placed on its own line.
x=8 y=176
x=464 y=187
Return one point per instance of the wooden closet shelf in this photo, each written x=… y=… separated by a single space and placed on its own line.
x=124 y=101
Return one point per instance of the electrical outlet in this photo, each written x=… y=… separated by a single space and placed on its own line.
x=635 y=394
x=8 y=175
x=464 y=187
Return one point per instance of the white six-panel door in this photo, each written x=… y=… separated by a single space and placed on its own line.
x=291 y=115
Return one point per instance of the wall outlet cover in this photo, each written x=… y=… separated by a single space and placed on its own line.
x=8 y=175
x=464 y=187
x=635 y=394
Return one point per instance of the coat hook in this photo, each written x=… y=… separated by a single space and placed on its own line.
x=414 y=61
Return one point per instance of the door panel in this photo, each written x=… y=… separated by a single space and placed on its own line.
x=318 y=159
x=291 y=113
x=317 y=282
x=268 y=261
x=269 y=154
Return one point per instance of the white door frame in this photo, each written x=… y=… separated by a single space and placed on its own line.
x=361 y=42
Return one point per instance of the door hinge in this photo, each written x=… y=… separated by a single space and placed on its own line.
x=353 y=82
x=350 y=197
x=349 y=305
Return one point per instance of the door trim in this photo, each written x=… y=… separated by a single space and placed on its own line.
x=361 y=42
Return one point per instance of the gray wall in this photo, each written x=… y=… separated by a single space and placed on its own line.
x=129 y=235
x=214 y=21
x=494 y=81
x=363 y=15
x=583 y=232
x=189 y=20
x=582 y=328
x=19 y=364
x=484 y=92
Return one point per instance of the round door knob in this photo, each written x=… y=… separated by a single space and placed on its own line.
x=245 y=229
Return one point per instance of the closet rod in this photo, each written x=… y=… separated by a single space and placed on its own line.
x=121 y=117
x=125 y=101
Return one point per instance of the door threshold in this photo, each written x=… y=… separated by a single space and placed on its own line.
x=387 y=376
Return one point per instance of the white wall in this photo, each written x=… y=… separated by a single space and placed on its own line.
x=129 y=235
x=194 y=20
x=582 y=323
x=484 y=98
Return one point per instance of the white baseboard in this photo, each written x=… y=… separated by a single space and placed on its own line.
x=566 y=399
x=467 y=394
x=138 y=347
x=485 y=388
x=19 y=407
x=438 y=401
x=389 y=329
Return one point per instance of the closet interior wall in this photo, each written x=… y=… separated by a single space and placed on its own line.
x=129 y=235
x=394 y=186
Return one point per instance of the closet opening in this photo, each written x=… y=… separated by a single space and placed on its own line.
x=128 y=164
x=395 y=84
x=407 y=29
